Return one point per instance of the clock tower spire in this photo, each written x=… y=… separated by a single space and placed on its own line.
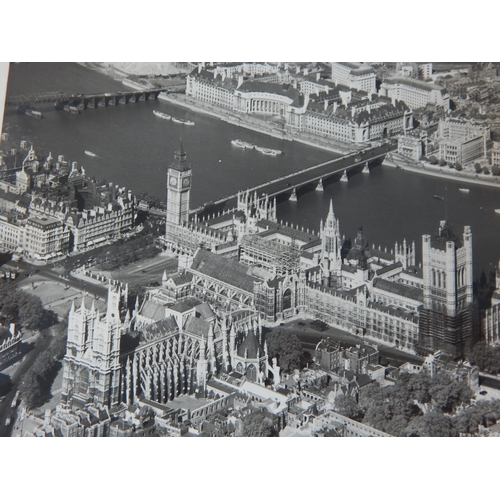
x=178 y=193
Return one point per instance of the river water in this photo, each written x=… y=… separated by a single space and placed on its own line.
x=134 y=149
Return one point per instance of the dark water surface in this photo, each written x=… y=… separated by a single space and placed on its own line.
x=134 y=148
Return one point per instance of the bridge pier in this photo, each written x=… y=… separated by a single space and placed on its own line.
x=320 y=186
x=366 y=169
x=293 y=196
x=344 y=177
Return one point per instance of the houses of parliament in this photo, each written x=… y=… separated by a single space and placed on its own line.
x=245 y=258
x=201 y=333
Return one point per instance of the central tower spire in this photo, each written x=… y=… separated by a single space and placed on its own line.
x=179 y=162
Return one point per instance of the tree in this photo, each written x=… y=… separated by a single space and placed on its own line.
x=389 y=409
x=442 y=163
x=287 y=348
x=37 y=381
x=483 y=413
x=58 y=344
x=432 y=424
x=448 y=394
x=477 y=168
x=256 y=424
x=433 y=160
x=486 y=357
x=458 y=166
x=347 y=406
x=495 y=170
x=5 y=384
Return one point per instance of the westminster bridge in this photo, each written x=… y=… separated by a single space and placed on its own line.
x=291 y=186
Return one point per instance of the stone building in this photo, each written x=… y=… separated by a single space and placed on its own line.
x=355 y=75
x=283 y=272
x=350 y=112
x=415 y=93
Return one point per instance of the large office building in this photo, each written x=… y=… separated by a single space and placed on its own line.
x=415 y=93
x=51 y=208
x=354 y=75
x=462 y=141
x=303 y=104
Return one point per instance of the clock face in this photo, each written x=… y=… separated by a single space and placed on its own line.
x=185 y=181
x=173 y=181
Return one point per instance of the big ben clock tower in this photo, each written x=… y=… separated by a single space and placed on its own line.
x=178 y=192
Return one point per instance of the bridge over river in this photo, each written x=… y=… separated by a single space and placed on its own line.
x=290 y=186
x=313 y=177
x=80 y=102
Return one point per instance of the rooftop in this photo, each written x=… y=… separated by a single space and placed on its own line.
x=411 y=82
x=224 y=270
x=153 y=310
x=407 y=291
x=184 y=305
x=250 y=347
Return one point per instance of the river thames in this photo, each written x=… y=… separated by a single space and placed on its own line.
x=134 y=149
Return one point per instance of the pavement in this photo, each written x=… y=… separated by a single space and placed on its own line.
x=143 y=272
x=304 y=431
x=58 y=296
x=400 y=161
x=490 y=395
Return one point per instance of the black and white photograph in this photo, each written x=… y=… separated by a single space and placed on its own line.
x=250 y=249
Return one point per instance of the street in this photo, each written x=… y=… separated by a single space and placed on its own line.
x=40 y=344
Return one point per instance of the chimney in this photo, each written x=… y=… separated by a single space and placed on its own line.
x=317 y=76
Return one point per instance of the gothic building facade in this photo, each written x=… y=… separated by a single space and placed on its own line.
x=283 y=272
x=174 y=354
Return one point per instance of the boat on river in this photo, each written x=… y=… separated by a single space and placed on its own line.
x=438 y=197
x=182 y=121
x=161 y=115
x=268 y=151
x=464 y=190
x=89 y=153
x=242 y=144
x=497 y=210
